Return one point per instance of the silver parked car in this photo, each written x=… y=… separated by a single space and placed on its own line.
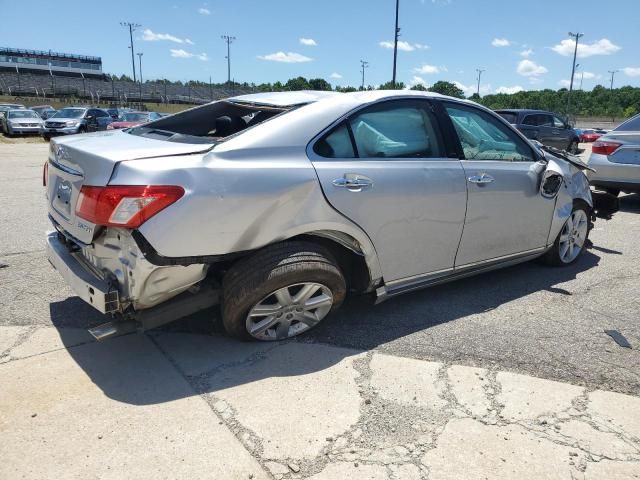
x=275 y=205
x=21 y=121
x=615 y=157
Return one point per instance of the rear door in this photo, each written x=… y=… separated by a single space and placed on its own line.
x=91 y=119
x=386 y=168
x=506 y=215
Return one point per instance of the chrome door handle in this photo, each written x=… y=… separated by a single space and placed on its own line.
x=482 y=178
x=352 y=183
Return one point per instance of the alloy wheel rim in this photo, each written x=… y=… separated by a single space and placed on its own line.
x=289 y=311
x=573 y=236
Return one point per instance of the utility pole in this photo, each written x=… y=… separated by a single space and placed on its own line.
x=229 y=40
x=363 y=65
x=479 y=77
x=395 y=44
x=132 y=27
x=210 y=89
x=573 y=69
x=140 y=67
x=581 y=79
x=612 y=72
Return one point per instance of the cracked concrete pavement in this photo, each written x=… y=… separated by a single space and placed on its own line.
x=518 y=381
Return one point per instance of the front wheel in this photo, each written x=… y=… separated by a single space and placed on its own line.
x=281 y=291
x=573 y=147
x=571 y=240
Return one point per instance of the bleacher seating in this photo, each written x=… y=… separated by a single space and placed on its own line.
x=96 y=90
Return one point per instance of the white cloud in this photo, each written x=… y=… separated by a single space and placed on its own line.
x=632 y=71
x=150 y=36
x=289 y=57
x=535 y=80
x=509 y=90
x=335 y=75
x=427 y=69
x=526 y=53
x=405 y=46
x=309 y=42
x=500 y=42
x=471 y=89
x=565 y=83
x=204 y=11
x=587 y=75
x=416 y=80
x=529 y=68
x=603 y=46
x=180 y=53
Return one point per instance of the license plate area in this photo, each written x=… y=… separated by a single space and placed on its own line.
x=61 y=201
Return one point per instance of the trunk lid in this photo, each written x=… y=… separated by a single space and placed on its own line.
x=629 y=151
x=80 y=160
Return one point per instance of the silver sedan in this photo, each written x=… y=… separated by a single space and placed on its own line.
x=276 y=205
x=615 y=157
x=21 y=121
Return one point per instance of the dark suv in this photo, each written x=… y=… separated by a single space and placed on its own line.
x=546 y=127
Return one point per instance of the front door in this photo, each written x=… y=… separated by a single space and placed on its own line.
x=385 y=168
x=506 y=214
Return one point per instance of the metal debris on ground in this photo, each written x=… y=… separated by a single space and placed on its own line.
x=618 y=338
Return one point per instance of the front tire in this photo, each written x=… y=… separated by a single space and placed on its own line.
x=572 y=239
x=573 y=147
x=281 y=291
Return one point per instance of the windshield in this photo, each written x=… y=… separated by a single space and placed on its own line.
x=70 y=113
x=135 y=117
x=22 y=114
x=509 y=116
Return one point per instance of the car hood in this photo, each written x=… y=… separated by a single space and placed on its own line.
x=61 y=119
x=125 y=124
x=25 y=120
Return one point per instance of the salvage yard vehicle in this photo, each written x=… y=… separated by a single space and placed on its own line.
x=72 y=120
x=615 y=156
x=21 y=121
x=275 y=205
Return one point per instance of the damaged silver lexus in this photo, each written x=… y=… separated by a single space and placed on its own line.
x=274 y=206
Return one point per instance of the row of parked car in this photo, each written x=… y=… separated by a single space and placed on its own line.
x=44 y=120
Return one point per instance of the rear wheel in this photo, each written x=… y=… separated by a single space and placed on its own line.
x=571 y=240
x=281 y=291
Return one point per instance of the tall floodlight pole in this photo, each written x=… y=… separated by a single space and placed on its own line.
x=479 y=77
x=132 y=27
x=229 y=39
x=363 y=64
x=612 y=72
x=573 y=69
x=140 y=70
x=395 y=44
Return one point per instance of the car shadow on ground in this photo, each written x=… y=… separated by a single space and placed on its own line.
x=630 y=203
x=123 y=368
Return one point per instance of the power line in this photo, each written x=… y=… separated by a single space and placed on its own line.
x=363 y=64
x=132 y=27
x=479 y=77
x=395 y=44
x=229 y=39
x=573 y=69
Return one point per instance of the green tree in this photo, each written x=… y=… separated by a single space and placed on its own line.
x=419 y=87
x=447 y=88
x=392 y=86
x=298 y=83
x=319 y=84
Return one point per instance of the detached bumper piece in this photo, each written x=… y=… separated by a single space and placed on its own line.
x=94 y=290
x=183 y=305
x=604 y=204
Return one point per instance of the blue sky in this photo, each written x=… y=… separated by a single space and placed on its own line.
x=521 y=45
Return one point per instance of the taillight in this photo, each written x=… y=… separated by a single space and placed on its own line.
x=45 y=173
x=605 y=148
x=124 y=205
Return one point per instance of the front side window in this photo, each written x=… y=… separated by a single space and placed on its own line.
x=483 y=137
x=396 y=130
x=557 y=123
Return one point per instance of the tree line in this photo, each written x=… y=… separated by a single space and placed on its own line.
x=620 y=102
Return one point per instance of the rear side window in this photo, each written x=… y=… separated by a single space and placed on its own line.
x=483 y=137
x=631 y=125
x=337 y=144
x=396 y=130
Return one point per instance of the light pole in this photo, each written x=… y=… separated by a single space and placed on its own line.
x=612 y=72
x=479 y=77
x=140 y=69
x=395 y=44
x=573 y=69
x=363 y=64
x=132 y=27
x=229 y=39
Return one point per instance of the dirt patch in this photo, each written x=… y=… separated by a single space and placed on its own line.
x=22 y=139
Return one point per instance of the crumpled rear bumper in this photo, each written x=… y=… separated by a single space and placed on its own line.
x=96 y=291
